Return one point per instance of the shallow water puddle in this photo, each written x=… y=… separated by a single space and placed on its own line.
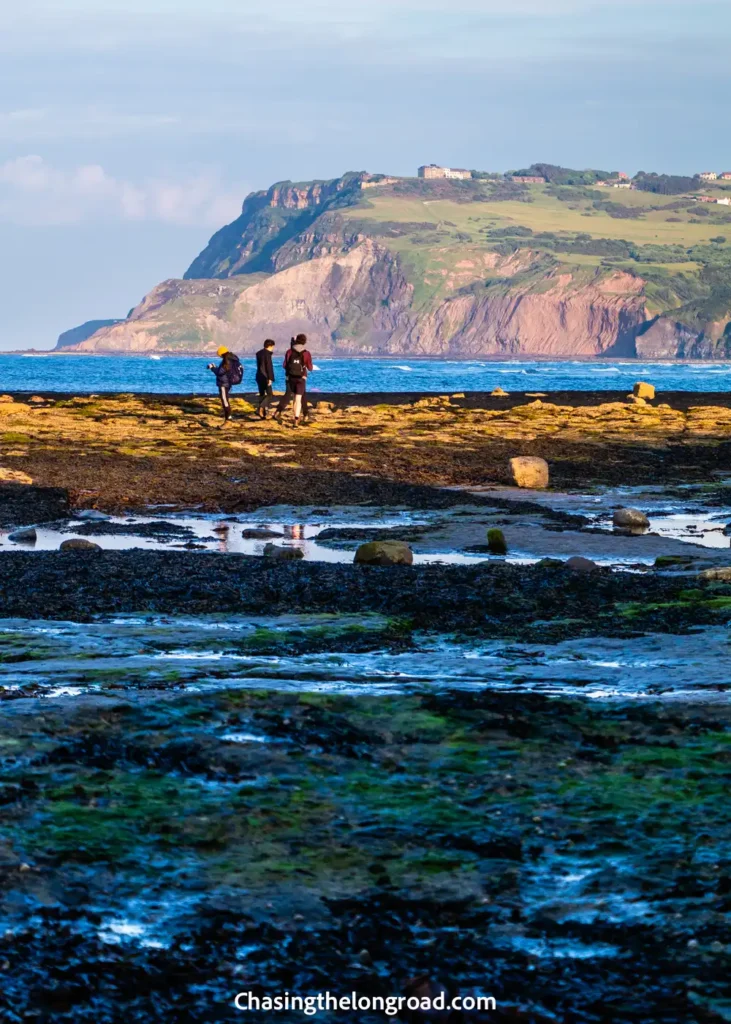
x=455 y=536
x=241 y=535
x=129 y=654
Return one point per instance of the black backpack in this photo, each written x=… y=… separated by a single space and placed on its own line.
x=296 y=364
x=236 y=372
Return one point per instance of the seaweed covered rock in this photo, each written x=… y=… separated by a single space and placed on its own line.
x=14 y=476
x=630 y=519
x=79 y=544
x=384 y=552
x=496 y=543
x=27 y=535
x=282 y=554
x=580 y=564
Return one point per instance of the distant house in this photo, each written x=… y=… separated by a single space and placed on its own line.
x=724 y=202
x=726 y=176
x=705 y=199
x=622 y=181
x=528 y=179
x=708 y=176
x=435 y=171
x=623 y=176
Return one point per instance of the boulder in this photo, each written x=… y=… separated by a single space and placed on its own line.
x=668 y=561
x=281 y=554
x=259 y=533
x=580 y=564
x=529 y=471
x=499 y=393
x=723 y=573
x=6 y=399
x=92 y=515
x=79 y=544
x=384 y=552
x=643 y=390
x=630 y=519
x=25 y=536
x=636 y=400
x=496 y=542
x=550 y=563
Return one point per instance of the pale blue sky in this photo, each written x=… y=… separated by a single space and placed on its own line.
x=130 y=130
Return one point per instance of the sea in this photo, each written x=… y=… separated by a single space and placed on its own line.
x=80 y=374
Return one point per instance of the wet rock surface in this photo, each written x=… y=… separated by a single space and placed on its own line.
x=383 y=449
x=561 y=856
x=486 y=599
x=189 y=809
x=159 y=530
x=22 y=505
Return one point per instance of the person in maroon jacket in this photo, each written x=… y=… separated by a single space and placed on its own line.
x=297 y=364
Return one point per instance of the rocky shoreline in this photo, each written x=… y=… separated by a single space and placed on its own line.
x=484 y=600
x=169 y=839
x=130 y=452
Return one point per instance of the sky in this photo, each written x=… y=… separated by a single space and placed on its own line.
x=130 y=130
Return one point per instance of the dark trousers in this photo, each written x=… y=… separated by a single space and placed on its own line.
x=295 y=386
x=223 y=392
x=266 y=393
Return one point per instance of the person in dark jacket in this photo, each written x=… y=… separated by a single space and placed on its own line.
x=265 y=377
x=297 y=364
x=228 y=373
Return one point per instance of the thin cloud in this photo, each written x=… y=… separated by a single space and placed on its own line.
x=81 y=122
x=34 y=192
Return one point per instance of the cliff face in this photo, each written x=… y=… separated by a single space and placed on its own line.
x=665 y=338
x=360 y=302
x=600 y=318
x=268 y=221
x=302 y=258
x=359 y=294
x=71 y=338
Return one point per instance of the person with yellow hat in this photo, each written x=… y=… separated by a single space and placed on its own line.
x=228 y=373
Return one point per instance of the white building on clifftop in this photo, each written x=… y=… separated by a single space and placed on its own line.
x=435 y=171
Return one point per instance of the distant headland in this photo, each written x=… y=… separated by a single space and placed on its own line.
x=538 y=262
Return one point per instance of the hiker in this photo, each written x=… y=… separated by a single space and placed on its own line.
x=228 y=373
x=297 y=364
x=265 y=377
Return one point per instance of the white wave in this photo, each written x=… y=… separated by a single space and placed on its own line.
x=315 y=367
x=515 y=372
x=406 y=369
x=605 y=369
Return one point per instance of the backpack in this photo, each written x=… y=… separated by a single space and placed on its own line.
x=236 y=373
x=296 y=364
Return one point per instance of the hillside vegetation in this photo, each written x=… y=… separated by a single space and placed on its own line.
x=485 y=266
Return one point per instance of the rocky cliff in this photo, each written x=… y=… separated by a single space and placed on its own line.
x=360 y=302
x=76 y=335
x=414 y=267
x=268 y=221
x=346 y=301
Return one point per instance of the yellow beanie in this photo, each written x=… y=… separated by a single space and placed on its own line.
x=222 y=351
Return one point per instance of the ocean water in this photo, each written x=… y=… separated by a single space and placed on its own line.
x=188 y=375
